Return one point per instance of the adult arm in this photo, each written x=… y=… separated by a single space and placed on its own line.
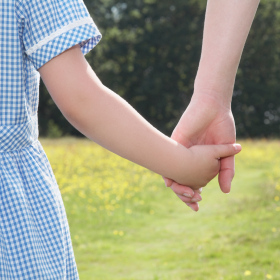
x=226 y=27
x=208 y=118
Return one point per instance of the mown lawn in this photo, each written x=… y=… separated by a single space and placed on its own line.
x=126 y=225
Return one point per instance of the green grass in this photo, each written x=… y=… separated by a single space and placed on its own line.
x=151 y=235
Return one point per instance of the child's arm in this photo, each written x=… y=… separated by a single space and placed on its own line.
x=107 y=119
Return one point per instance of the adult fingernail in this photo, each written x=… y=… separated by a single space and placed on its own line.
x=237 y=147
x=191 y=206
x=187 y=195
x=196 y=199
x=228 y=190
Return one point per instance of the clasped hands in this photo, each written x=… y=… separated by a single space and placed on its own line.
x=206 y=121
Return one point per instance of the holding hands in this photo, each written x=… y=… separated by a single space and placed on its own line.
x=208 y=119
x=202 y=143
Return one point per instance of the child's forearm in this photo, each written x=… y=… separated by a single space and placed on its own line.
x=111 y=122
x=227 y=24
x=107 y=119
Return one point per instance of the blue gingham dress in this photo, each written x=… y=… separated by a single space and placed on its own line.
x=35 y=240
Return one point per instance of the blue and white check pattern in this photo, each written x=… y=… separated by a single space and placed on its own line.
x=35 y=240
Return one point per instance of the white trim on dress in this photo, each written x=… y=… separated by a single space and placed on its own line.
x=77 y=23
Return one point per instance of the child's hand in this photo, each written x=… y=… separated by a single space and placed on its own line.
x=202 y=164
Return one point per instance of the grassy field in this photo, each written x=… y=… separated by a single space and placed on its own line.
x=126 y=225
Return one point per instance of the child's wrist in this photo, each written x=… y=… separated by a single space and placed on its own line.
x=179 y=161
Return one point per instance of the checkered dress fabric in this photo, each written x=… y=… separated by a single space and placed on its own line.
x=35 y=241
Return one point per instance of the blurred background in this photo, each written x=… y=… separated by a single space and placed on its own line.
x=150 y=52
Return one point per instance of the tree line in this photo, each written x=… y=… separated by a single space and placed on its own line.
x=149 y=55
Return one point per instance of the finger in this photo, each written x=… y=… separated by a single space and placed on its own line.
x=168 y=182
x=227 y=150
x=182 y=190
x=226 y=173
x=185 y=199
x=194 y=206
x=196 y=198
x=199 y=191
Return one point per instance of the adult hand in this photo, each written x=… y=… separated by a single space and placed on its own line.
x=207 y=120
x=186 y=194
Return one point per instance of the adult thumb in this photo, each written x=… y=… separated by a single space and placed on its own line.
x=227 y=150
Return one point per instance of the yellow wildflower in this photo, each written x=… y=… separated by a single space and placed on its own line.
x=247 y=273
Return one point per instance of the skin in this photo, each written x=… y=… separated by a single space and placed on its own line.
x=104 y=117
x=208 y=118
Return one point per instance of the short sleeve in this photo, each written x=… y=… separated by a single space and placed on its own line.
x=53 y=26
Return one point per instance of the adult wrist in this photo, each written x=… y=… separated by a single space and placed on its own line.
x=213 y=89
x=215 y=99
x=218 y=84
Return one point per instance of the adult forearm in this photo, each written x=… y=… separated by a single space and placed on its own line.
x=227 y=24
